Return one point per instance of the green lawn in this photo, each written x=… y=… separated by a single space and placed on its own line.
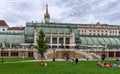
x=14 y=59
x=65 y=67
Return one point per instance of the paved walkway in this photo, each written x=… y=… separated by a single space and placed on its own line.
x=44 y=60
x=48 y=60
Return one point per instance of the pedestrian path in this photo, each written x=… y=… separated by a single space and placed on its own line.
x=51 y=60
x=45 y=60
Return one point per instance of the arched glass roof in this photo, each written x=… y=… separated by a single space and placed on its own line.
x=113 y=42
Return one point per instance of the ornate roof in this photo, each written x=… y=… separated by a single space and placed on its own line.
x=16 y=28
x=98 y=23
x=3 y=23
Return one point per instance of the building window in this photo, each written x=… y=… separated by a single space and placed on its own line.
x=119 y=31
x=4 y=53
x=102 y=34
x=61 y=40
x=30 y=54
x=118 y=54
x=14 y=53
x=54 y=40
x=90 y=33
x=113 y=31
x=110 y=31
x=67 y=40
x=84 y=30
x=98 y=34
x=106 y=34
x=111 y=54
x=3 y=29
x=48 y=39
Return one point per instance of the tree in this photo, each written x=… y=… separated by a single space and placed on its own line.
x=41 y=44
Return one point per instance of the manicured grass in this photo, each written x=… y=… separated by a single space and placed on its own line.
x=14 y=59
x=65 y=67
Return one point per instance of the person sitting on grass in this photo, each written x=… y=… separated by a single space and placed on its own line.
x=99 y=64
x=117 y=62
x=114 y=65
x=43 y=63
x=106 y=65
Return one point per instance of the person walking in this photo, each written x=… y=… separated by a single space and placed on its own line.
x=72 y=61
x=76 y=61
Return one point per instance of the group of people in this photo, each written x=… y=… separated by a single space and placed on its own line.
x=43 y=63
x=74 y=60
x=106 y=64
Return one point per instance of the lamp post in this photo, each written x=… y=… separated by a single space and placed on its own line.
x=54 y=53
x=103 y=52
x=2 y=55
x=3 y=47
x=87 y=53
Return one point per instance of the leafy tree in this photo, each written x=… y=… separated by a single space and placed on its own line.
x=41 y=43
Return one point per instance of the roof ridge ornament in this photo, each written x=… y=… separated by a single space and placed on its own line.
x=47 y=15
x=98 y=23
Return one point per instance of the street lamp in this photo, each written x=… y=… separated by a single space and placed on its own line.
x=2 y=55
x=87 y=53
x=103 y=52
x=54 y=53
x=3 y=47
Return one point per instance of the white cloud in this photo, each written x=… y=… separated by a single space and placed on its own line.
x=18 y=12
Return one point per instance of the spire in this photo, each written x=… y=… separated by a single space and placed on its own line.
x=46 y=15
x=47 y=9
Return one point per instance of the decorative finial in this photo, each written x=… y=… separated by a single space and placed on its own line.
x=46 y=15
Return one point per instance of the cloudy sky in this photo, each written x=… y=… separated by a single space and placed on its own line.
x=18 y=12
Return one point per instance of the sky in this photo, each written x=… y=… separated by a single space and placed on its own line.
x=18 y=12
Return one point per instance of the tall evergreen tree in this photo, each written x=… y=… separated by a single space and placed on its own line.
x=42 y=43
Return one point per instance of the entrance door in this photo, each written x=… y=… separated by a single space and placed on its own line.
x=66 y=55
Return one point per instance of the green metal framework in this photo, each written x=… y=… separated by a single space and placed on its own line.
x=13 y=38
x=110 y=42
x=48 y=28
x=67 y=29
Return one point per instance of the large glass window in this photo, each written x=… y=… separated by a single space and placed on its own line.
x=61 y=40
x=3 y=29
x=111 y=54
x=54 y=40
x=14 y=53
x=30 y=54
x=67 y=40
x=4 y=53
x=118 y=54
